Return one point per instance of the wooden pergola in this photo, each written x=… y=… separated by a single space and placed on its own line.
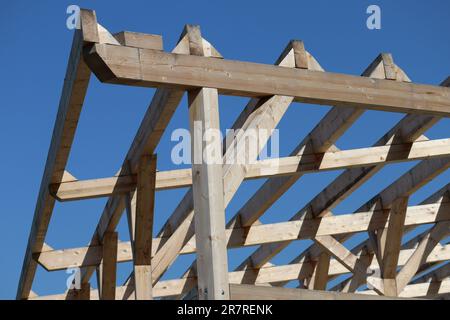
x=382 y=266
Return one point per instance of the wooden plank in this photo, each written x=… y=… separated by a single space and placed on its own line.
x=109 y=266
x=207 y=185
x=266 y=114
x=421 y=290
x=408 y=130
x=347 y=258
x=274 y=274
x=243 y=292
x=139 y=40
x=407 y=184
x=437 y=197
x=319 y=278
x=142 y=242
x=84 y=293
x=391 y=240
x=156 y=118
x=88 y=23
x=208 y=197
x=321 y=138
x=258 y=234
x=430 y=290
x=300 y=164
x=151 y=68
x=71 y=101
x=426 y=245
x=438 y=274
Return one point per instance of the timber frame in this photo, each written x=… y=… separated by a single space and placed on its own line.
x=384 y=266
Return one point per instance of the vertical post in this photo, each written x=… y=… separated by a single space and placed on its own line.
x=140 y=220
x=84 y=293
x=109 y=267
x=387 y=242
x=207 y=182
x=319 y=278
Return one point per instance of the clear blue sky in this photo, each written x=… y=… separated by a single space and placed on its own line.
x=33 y=56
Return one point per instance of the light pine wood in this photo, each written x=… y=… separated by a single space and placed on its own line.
x=260 y=234
x=437 y=197
x=197 y=225
x=207 y=184
x=156 y=118
x=109 y=266
x=151 y=68
x=431 y=290
x=139 y=40
x=280 y=273
x=319 y=278
x=320 y=139
x=409 y=182
x=409 y=129
x=266 y=115
x=421 y=290
x=301 y=164
x=89 y=26
x=143 y=226
x=390 y=240
x=242 y=292
x=71 y=101
x=431 y=239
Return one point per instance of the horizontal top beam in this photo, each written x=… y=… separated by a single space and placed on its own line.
x=152 y=68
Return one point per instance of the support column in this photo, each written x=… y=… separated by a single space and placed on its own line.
x=140 y=212
x=84 y=293
x=319 y=278
x=109 y=267
x=212 y=265
x=207 y=183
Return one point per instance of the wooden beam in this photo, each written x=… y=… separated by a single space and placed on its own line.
x=208 y=197
x=151 y=68
x=344 y=256
x=109 y=267
x=259 y=234
x=156 y=118
x=89 y=26
x=406 y=185
x=84 y=293
x=408 y=129
x=438 y=274
x=321 y=138
x=139 y=40
x=319 y=278
x=437 y=197
x=272 y=274
x=71 y=101
x=429 y=290
x=390 y=241
x=300 y=164
x=243 y=292
x=259 y=114
x=142 y=242
x=207 y=185
x=426 y=245
x=420 y=290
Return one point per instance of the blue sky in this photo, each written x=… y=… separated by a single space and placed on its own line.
x=33 y=58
